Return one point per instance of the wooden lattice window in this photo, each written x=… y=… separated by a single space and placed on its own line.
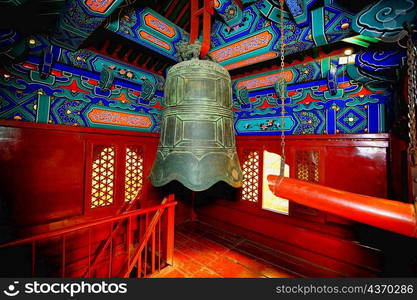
x=307 y=165
x=102 y=176
x=250 y=171
x=134 y=172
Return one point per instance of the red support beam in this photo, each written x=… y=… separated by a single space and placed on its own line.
x=182 y=12
x=239 y=3
x=194 y=22
x=186 y=24
x=128 y=52
x=146 y=62
x=206 y=11
x=171 y=7
x=138 y=57
x=104 y=46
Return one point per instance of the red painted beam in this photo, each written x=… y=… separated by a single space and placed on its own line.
x=194 y=22
x=382 y=213
x=146 y=62
x=239 y=3
x=171 y=7
x=182 y=12
x=276 y=66
x=186 y=24
x=206 y=11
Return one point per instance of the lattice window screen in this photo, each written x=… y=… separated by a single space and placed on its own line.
x=134 y=172
x=250 y=170
x=307 y=165
x=102 y=179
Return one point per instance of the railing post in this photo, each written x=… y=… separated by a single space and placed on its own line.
x=129 y=238
x=170 y=231
x=89 y=253
x=63 y=256
x=34 y=259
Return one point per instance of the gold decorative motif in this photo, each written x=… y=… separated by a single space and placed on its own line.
x=250 y=172
x=133 y=172
x=102 y=176
x=307 y=166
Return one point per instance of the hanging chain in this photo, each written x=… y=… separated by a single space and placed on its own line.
x=282 y=91
x=412 y=98
x=412 y=81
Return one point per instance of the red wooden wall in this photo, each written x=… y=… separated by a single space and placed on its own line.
x=45 y=174
x=44 y=169
x=312 y=242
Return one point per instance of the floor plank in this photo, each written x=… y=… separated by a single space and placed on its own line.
x=204 y=251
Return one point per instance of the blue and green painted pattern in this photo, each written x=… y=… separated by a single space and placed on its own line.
x=299 y=10
x=384 y=19
x=310 y=107
x=78 y=20
x=94 y=62
x=131 y=24
x=229 y=11
x=68 y=94
x=326 y=25
x=12 y=2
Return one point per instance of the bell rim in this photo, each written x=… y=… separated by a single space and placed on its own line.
x=197 y=188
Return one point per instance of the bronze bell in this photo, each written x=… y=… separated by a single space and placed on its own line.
x=197 y=142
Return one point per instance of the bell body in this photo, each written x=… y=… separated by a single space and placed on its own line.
x=197 y=142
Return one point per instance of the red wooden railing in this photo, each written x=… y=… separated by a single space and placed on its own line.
x=126 y=206
x=150 y=234
x=140 y=237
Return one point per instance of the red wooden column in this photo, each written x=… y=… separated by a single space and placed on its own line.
x=170 y=231
x=206 y=11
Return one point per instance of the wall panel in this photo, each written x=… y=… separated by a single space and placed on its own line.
x=355 y=163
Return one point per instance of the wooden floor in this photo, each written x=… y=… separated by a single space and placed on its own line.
x=203 y=251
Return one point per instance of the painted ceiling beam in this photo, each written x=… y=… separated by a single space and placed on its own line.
x=246 y=2
x=92 y=61
x=293 y=74
x=12 y=45
x=182 y=12
x=384 y=19
x=78 y=20
x=257 y=38
x=146 y=27
x=12 y=2
x=318 y=28
x=377 y=68
x=299 y=10
x=229 y=11
x=361 y=40
x=170 y=8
